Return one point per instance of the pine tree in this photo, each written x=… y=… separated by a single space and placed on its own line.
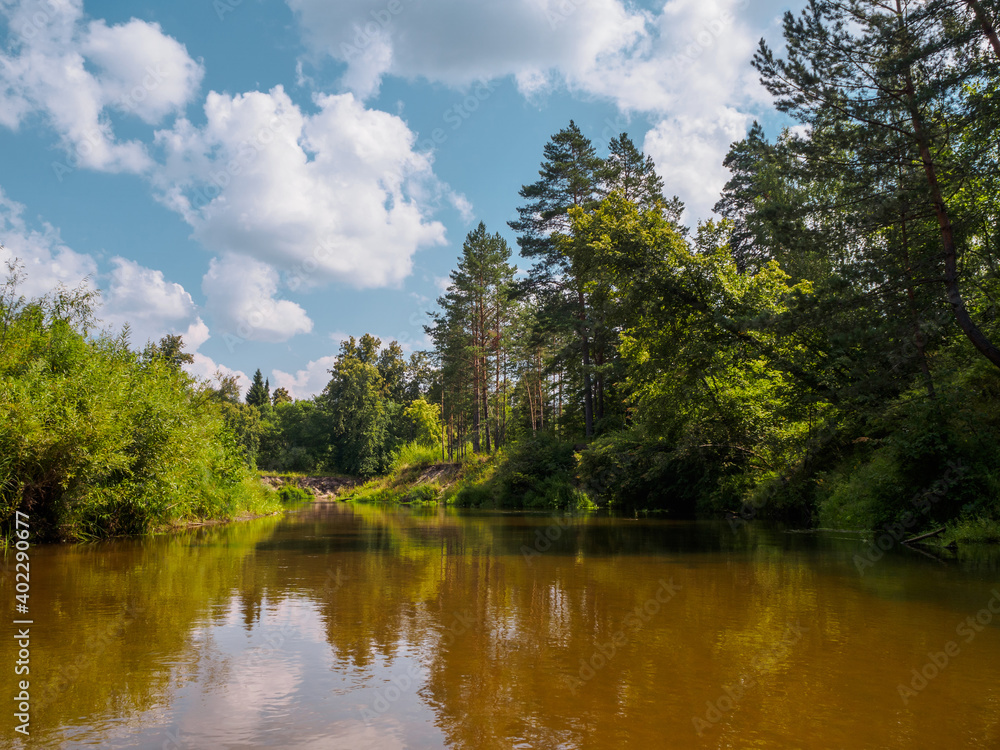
x=891 y=93
x=634 y=176
x=469 y=333
x=257 y=395
x=569 y=178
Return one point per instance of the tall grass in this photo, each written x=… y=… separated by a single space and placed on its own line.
x=416 y=454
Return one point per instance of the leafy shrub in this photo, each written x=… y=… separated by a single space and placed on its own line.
x=97 y=440
x=292 y=493
x=632 y=470
x=535 y=472
x=415 y=454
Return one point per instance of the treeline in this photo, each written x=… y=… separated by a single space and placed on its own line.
x=827 y=352
x=99 y=440
x=373 y=404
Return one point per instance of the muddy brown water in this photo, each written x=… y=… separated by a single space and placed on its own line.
x=361 y=627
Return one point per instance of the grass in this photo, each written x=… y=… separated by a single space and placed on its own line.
x=406 y=483
x=292 y=474
x=978 y=530
x=415 y=454
x=290 y=493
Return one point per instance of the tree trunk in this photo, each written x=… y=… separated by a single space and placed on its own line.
x=531 y=403
x=476 y=384
x=965 y=322
x=988 y=28
x=588 y=392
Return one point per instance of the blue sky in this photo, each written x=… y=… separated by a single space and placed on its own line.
x=268 y=177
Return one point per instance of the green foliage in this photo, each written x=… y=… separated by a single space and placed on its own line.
x=633 y=469
x=416 y=454
x=245 y=423
x=290 y=493
x=96 y=440
x=296 y=438
x=423 y=423
x=259 y=393
x=537 y=472
x=422 y=494
x=361 y=414
x=170 y=350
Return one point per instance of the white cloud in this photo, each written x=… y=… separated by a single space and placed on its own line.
x=140 y=296
x=141 y=70
x=687 y=151
x=74 y=73
x=240 y=295
x=339 y=195
x=461 y=41
x=308 y=382
x=48 y=262
x=682 y=56
x=151 y=305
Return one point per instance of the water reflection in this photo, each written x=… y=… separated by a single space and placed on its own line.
x=356 y=627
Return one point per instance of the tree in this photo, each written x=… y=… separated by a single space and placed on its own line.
x=258 y=394
x=226 y=388
x=170 y=350
x=896 y=86
x=569 y=178
x=424 y=422
x=469 y=331
x=364 y=420
x=633 y=175
x=280 y=396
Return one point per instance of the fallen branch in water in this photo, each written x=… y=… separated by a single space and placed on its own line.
x=928 y=535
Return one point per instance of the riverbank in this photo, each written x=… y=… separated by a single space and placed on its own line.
x=320 y=487
x=532 y=474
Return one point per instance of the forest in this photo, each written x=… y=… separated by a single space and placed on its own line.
x=824 y=353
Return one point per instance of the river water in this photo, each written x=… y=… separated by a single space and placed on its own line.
x=362 y=627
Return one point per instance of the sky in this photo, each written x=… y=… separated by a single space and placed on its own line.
x=267 y=178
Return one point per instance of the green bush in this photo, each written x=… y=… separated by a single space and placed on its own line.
x=290 y=493
x=415 y=454
x=97 y=440
x=535 y=472
x=423 y=494
x=632 y=470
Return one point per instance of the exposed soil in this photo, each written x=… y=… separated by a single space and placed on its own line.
x=443 y=474
x=324 y=488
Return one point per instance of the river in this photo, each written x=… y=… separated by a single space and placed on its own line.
x=359 y=627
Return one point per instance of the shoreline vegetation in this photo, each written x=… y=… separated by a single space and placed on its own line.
x=824 y=353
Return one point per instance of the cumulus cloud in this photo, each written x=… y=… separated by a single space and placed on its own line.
x=687 y=149
x=74 y=73
x=48 y=262
x=458 y=41
x=151 y=305
x=338 y=195
x=307 y=382
x=683 y=63
x=142 y=297
x=207 y=369
x=241 y=296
